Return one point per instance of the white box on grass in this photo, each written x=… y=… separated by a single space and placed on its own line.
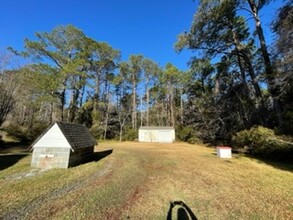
x=224 y=152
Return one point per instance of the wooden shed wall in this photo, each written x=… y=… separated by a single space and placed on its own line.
x=80 y=155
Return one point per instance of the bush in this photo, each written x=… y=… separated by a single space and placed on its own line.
x=187 y=134
x=26 y=134
x=97 y=131
x=184 y=133
x=130 y=135
x=16 y=131
x=194 y=140
x=262 y=141
x=255 y=139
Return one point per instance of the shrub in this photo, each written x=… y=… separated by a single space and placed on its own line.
x=187 y=134
x=255 y=139
x=16 y=131
x=97 y=131
x=194 y=140
x=26 y=134
x=184 y=133
x=262 y=141
x=130 y=135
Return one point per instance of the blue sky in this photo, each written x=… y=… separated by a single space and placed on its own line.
x=145 y=27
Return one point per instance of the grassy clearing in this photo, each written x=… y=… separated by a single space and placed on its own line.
x=138 y=180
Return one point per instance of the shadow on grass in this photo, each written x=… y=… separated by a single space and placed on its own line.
x=11 y=153
x=7 y=146
x=8 y=160
x=286 y=165
x=97 y=156
x=183 y=211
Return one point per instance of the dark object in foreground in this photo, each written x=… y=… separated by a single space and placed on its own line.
x=183 y=212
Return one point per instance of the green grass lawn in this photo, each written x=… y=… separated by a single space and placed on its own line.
x=138 y=181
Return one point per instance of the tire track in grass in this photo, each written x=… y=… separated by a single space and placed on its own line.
x=25 y=211
x=149 y=165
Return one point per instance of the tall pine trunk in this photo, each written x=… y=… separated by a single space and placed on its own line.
x=73 y=105
x=181 y=107
x=238 y=49
x=171 y=103
x=62 y=104
x=268 y=66
x=241 y=54
x=96 y=98
x=134 y=113
x=147 y=104
x=107 y=111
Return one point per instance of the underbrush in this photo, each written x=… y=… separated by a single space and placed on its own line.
x=25 y=133
x=187 y=134
x=263 y=142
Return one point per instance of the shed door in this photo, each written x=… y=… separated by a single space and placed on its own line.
x=46 y=161
x=165 y=136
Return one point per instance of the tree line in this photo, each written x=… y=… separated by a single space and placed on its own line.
x=233 y=82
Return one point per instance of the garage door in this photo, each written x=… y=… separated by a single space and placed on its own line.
x=164 y=137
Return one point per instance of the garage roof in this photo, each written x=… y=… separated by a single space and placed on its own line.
x=156 y=128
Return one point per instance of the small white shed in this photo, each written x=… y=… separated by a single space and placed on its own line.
x=62 y=145
x=156 y=134
x=224 y=152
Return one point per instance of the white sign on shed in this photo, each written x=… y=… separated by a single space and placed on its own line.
x=156 y=134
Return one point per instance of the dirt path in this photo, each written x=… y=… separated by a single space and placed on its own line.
x=28 y=209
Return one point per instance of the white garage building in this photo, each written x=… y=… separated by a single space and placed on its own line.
x=156 y=134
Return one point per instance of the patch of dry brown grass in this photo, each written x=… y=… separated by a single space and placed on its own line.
x=141 y=179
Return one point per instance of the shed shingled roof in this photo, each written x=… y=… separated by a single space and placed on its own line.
x=77 y=135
